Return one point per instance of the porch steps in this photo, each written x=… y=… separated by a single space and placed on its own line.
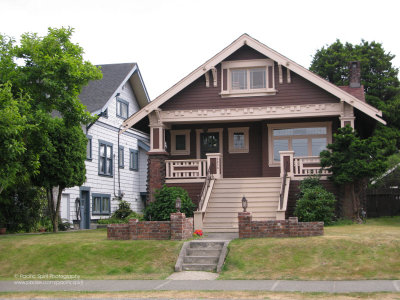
x=262 y=194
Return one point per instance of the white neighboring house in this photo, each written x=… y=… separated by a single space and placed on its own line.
x=116 y=164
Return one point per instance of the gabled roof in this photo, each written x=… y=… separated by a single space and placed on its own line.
x=98 y=92
x=245 y=39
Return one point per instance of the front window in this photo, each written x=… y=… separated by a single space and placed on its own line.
x=105 y=158
x=101 y=204
x=122 y=108
x=238 y=140
x=180 y=142
x=304 y=140
x=89 y=148
x=121 y=156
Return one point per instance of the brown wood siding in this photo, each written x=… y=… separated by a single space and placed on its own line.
x=299 y=91
x=193 y=189
x=294 y=192
x=235 y=165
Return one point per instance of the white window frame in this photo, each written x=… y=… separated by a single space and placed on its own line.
x=247 y=64
x=271 y=138
x=231 y=132
x=186 y=133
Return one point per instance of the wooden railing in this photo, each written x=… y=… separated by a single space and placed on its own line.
x=187 y=168
x=308 y=165
x=205 y=191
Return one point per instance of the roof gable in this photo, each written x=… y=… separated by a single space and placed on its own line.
x=246 y=41
x=98 y=92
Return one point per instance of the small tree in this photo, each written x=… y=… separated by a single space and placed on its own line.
x=352 y=162
x=164 y=205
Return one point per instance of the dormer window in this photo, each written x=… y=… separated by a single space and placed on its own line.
x=244 y=77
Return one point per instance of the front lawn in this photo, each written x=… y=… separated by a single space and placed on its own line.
x=88 y=254
x=357 y=251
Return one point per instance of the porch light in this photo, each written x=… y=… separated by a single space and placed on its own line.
x=178 y=203
x=244 y=203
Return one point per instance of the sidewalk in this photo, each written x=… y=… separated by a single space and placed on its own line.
x=211 y=285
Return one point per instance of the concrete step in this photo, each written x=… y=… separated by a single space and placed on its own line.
x=237 y=196
x=237 y=209
x=200 y=259
x=219 y=229
x=199 y=267
x=202 y=252
x=206 y=245
x=250 y=179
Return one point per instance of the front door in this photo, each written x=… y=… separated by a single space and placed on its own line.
x=85 y=210
x=209 y=143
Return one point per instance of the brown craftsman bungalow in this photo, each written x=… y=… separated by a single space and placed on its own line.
x=248 y=122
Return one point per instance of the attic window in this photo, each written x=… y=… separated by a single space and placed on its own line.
x=122 y=108
x=248 y=78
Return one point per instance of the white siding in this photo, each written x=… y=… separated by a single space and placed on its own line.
x=131 y=182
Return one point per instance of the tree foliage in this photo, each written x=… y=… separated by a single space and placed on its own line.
x=351 y=160
x=378 y=75
x=39 y=79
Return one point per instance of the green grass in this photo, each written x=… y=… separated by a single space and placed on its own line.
x=356 y=251
x=88 y=254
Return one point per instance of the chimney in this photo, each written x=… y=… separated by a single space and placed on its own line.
x=354 y=74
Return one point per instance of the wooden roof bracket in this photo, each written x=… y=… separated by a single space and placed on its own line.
x=207 y=75
x=280 y=74
x=214 y=74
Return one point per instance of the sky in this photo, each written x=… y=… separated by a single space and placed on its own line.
x=170 y=38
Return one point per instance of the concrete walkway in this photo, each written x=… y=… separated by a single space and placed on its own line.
x=196 y=285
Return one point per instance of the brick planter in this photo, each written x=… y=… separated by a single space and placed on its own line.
x=178 y=228
x=277 y=228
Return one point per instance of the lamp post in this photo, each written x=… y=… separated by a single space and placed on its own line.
x=178 y=204
x=244 y=203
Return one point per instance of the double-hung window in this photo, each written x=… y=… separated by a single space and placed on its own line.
x=238 y=140
x=133 y=159
x=306 y=140
x=101 y=204
x=122 y=108
x=105 y=158
x=244 y=77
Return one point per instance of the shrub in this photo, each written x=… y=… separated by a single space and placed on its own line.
x=124 y=210
x=164 y=204
x=315 y=203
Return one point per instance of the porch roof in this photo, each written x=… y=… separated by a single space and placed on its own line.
x=245 y=39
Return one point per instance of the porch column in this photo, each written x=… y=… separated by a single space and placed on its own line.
x=287 y=163
x=215 y=164
x=156 y=158
x=347 y=115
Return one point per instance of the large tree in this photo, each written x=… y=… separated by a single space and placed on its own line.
x=49 y=71
x=378 y=75
x=353 y=161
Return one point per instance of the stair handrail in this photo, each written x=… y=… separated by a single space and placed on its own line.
x=205 y=188
x=283 y=190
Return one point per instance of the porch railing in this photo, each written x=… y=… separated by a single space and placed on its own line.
x=308 y=165
x=186 y=168
x=205 y=192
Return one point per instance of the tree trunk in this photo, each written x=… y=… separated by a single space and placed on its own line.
x=347 y=202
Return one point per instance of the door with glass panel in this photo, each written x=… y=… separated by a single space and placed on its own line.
x=209 y=143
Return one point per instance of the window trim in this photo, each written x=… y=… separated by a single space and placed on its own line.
x=135 y=167
x=119 y=101
x=174 y=133
x=121 y=166
x=231 y=132
x=271 y=127
x=90 y=142
x=101 y=142
x=101 y=212
x=247 y=64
